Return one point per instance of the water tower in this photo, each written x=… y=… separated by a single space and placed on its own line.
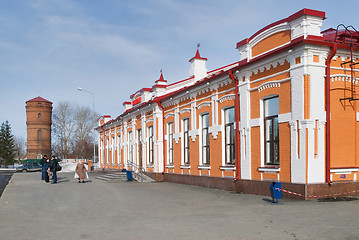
x=38 y=122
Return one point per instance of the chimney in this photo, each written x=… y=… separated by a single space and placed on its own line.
x=198 y=67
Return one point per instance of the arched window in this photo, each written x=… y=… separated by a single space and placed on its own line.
x=39 y=116
x=39 y=134
x=229 y=135
x=271 y=130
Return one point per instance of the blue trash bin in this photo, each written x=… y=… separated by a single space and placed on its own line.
x=129 y=176
x=275 y=191
x=92 y=168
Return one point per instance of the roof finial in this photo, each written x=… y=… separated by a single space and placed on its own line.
x=198 y=45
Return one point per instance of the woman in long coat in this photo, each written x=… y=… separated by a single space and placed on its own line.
x=81 y=171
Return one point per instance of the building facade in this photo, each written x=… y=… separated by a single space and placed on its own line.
x=38 y=122
x=260 y=120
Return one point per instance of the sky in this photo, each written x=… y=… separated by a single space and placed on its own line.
x=113 y=48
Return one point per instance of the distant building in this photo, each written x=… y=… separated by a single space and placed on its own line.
x=286 y=111
x=38 y=121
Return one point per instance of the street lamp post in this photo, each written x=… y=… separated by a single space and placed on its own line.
x=93 y=108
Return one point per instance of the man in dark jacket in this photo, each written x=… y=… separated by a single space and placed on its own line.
x=43 y=160
x=53 y=164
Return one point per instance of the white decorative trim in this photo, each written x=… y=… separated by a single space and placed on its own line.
x=202 y=167
x=177 y=136
x=254 y=122
x=227 y=168
x=285 y=117
x=270 y=84
x=170 y=166
x=203 y=104
x=343 y=78
x=185 y=167
x=184 y=110
x=226 y=98
x=193 y=134
x=149 y=120
x=214 y=130
x=357 y=116
x=169 y=115
x=344 y=170
x=269 y=170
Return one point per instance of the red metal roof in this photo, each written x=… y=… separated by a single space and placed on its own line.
x=197 y=56
x=38 y=99
x=296 y=15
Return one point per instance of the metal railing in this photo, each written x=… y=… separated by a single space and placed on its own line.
x=137 y=169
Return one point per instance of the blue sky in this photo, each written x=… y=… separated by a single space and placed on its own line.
x=113 y=48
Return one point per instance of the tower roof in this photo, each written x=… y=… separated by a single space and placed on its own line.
x=161 y=79
x=38 y=99
x=197 y=56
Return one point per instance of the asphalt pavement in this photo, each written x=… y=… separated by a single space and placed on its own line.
x=32 y=209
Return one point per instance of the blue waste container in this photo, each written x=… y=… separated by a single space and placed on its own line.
x=129 y=175
x=92 y=168
x=275 y=191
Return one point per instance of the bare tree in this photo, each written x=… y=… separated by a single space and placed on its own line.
x=20 y=146
x=63 y=129
x=85 y=120
x=73 y=131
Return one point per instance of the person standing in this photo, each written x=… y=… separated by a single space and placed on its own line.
x=53 y=164
x=81 y=171
x=43 y=170
x=46 y=168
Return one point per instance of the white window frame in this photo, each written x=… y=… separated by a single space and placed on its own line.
x=201 y=147
x=113 y=150
x=224 y=136
x=107 y=151
x=263 y=133
x=170 y=142
x=118 y=150
x=184 y=152
x=151 y=145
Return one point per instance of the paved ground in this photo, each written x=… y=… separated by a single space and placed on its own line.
x=32 y=209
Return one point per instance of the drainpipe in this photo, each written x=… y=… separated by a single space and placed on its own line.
x=104 y=142
x=236 y=107
x=333 y=50
x=163 y=133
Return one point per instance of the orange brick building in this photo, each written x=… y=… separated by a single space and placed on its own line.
x=38 y=121
x=260 y=120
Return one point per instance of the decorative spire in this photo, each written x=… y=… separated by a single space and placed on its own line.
x=161 y=79
x=197 y=56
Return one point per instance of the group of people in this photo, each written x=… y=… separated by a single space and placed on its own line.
x=51 y=166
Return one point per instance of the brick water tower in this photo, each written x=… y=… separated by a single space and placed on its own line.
x=38 y=121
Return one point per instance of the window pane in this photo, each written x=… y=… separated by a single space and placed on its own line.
x=276 y=153
x=228 y=154
x=185 y=124
x=268 y=127
x=204 y=153
x=229 y=115
x=233 y=154
x=271 y=107
x=268 y=151
x=232 y=134
x=276 y=128
x=205 y=121
x=228 y=134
